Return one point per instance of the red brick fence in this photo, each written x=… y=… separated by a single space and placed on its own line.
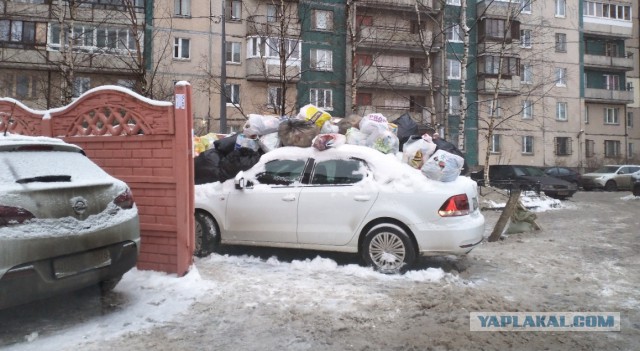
x=143 y=142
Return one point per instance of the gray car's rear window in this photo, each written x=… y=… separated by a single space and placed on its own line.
x=18 y=165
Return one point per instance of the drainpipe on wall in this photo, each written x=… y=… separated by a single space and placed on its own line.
x=223 y=72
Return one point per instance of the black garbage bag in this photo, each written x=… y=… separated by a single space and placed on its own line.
x=226 y=144
x=207 y=167
x=296 y=132
x=238 y=160
x=406 y=128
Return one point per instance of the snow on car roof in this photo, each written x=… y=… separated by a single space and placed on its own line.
x=389 y=171
x=17 y=139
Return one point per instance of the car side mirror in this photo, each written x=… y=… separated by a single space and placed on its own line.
x=239 y=181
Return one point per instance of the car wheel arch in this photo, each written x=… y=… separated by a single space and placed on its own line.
x=387 y=221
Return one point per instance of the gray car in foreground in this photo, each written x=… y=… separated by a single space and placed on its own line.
x=65 y=224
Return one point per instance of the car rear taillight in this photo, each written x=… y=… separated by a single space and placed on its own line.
x=125 y=200
x=457 y=205
x=13 y=215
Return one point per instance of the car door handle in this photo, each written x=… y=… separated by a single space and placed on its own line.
x=362 y=198
x=289 y=198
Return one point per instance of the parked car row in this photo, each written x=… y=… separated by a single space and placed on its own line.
x=545 y=179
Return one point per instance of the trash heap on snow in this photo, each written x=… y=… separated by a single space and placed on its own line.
x=221 y=157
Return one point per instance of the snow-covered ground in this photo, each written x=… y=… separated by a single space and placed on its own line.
x=583 y=259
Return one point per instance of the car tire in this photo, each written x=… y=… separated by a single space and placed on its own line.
x=207 y=235
x=611 y=186
x=388 y=249
x=636 y=190
x=109 y=284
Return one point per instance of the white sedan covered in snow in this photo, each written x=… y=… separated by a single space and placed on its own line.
x=348 y=199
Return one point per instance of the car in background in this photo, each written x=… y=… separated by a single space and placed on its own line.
x=526 y=177
x=636 y=183
x=610 y=178
x=564 y=173
x=65 y=224
x=347 y=199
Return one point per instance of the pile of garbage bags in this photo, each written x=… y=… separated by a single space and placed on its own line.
x=313 y=127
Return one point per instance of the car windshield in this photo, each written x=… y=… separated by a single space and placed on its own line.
x=529 y=171
x=607 y=169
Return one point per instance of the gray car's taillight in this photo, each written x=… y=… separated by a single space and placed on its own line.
x=14 y=215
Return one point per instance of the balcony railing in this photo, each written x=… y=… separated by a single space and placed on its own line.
x=258 y=25
x=608 y=96
x=509 y=86
x=392 y=78
x=268 y=70
x=401 y=5
x=609 y=62
x=395 y=38
x=617 y=29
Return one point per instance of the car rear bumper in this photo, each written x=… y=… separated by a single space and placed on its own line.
x=45 y=278
x=450 y=236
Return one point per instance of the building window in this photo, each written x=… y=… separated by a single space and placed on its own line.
x=323 y=98
x=417 y=103
x=182 y=7
x=611 y=81
x=81 y=85
x=233 y=10
x=561 y=42
x=322 y=20
x=233 y=52
x=181 y=48
x=453 y=2
x=525 y=38
x=25 y=86
x=87 y=38
x=321 y=60
x=455 y=69
x=453 y=33
x=527 y=109
x=562 y=146
x=630 y=119
x=364 y=99
x=630 y=150
x=271 y=48
x=495 y=108
x=527 y=144
x=589 y=146
x=491 y=65
x=274 y=96
x=561 y=111
x=527 y=74
x=611 y=148
x=611 y=115
x=525 y=6
x=232 y=93
x=454 y=105
x=561 y=77
x=607 y=10
x=495 y=146
x=272 y=13
x=21 y=32
x=498 y=30
x=561 y=8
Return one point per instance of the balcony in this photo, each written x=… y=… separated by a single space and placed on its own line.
x=608 y=96
x=609 y=62
x=258 y=25
x=268 y=70
x=608 y=28
x=509 y=86
x=428 y=6
x=397 y=78
x=396 y=39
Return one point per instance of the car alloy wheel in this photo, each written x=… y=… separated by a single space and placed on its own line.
x=388 y=249
x=207 y=236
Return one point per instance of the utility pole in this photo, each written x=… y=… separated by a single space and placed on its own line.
x=223 y=72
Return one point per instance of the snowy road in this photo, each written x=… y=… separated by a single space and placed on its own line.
x=584 y=259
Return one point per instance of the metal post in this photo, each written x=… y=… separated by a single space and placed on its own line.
x=223 y=72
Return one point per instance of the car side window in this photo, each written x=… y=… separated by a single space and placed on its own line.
x=281 y=172
x=337 y=172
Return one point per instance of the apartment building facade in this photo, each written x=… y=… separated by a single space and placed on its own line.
x=546 y=82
